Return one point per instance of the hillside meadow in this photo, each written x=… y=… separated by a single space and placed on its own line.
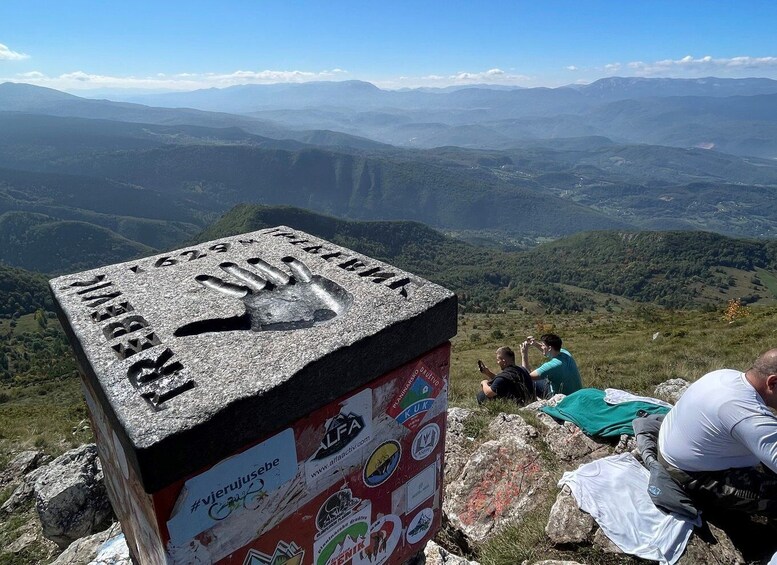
x=636 y=349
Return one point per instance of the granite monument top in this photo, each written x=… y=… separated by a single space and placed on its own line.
x=212 y=347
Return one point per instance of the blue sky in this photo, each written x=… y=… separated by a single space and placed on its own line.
x=79 y=45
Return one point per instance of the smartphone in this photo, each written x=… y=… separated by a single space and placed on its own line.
x=481 y=366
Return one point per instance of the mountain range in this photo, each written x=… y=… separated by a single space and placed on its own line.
x=115 y=179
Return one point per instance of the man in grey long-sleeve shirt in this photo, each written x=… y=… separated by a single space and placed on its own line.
x=720 y=440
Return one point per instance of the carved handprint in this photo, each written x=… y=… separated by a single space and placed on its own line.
x=274 y=300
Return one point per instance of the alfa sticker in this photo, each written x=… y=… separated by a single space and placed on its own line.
x=343 y=436
x=382 y=463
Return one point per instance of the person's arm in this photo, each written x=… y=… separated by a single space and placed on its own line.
x=487 y=390
x=525 y=356
x=759 y=434
x=525 y=359
x=487 y=372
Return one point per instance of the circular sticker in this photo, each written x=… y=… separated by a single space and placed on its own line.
x=383 y=539
x=419 y=526
x=382 y=463
x=425 y=441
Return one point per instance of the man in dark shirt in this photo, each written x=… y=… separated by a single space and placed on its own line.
x=511 y=382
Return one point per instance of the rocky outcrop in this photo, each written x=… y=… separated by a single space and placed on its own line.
x=671 y=390
x=566 y=523
x=499 y=478
x=497 y=485
x=70 y=496
x=436 y=555
x=103 y=548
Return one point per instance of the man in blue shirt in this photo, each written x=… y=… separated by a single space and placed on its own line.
x=557 y=375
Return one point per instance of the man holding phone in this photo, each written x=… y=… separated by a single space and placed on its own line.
x=511 y=382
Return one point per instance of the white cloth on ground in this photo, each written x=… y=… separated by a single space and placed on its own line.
x=721 y=422
x=614 y=491
x=618 y=396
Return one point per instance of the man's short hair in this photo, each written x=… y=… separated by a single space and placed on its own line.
x=507 y=353
x=766 y=364
x=551 y=340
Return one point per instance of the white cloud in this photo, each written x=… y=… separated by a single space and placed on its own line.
x=571 y=68
x=490 y=76
x=700 y=66
x=81 y=80
x=7 y=55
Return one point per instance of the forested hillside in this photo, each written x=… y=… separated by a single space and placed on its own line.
x=587 y=271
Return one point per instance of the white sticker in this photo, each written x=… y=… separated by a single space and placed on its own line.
x=233 y=486
x=419 y=526
x=421 y=487
x=425 y=441
x=343 y=436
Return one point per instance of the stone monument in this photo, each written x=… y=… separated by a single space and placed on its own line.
x=264 y=399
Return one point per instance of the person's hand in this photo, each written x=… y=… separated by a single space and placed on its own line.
x=524 y=346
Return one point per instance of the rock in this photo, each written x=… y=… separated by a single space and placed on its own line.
x=436 y=555
x=625 y=444
x=20 y=465
x=23 y=492
x=103 y=548
x=457 y=445
x=499 y=484
x=566 y=522
x=29 y=535
x=671 y=390
x=549 y=402
x=511 y=424
x=710 y=546
x=568 y=442
x=556 y=562
x=604 y=543
x=70 y=496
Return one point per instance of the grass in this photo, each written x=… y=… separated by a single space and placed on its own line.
x=635 y=350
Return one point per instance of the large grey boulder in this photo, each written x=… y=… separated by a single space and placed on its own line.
x=70 y=496
x=566 y=522
x=671 y=390
x=499 y=484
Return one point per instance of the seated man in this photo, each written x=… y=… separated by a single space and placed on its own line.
x=559 y=375
x=511 y=382
x=720 y=440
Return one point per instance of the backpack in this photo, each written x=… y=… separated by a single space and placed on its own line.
x=522 y=384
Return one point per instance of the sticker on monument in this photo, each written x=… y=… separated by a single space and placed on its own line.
x=384 y=535
x=342 y=541
x=421 y=487
x=425 y=441
x=286 y=553
x=416 y=397
x=344 y=435
x=382 y=463
x=336 y=507
x=419 y=526
x=233 y=486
